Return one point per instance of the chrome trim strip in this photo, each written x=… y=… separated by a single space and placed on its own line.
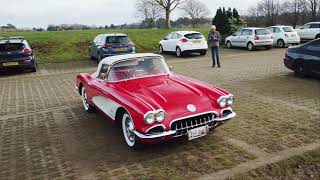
x=76 y=87
x=230 y=116
x=214 y=112
x=148 y=136
x=155 y=127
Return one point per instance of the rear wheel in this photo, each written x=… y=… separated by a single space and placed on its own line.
x=203 y=53
x=250 y=46
x=128 y=131
x=178 y=52
x=300 y=69
x=318 y=36
x=87 y=106
x=281 y=43
x=229 y=45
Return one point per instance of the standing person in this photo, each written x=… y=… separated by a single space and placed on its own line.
x=214 y=39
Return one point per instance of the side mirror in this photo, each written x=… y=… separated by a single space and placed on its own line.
x=171 y=69
x=102 y=76
x=91 y=43
x=302 y=27
x=234 y=34
x=165 y=38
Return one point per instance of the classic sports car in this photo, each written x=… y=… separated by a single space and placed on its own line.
x=151 y=103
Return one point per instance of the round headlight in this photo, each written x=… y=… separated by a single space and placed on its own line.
x=150 y=118
x=160 y=116
x=230 y=100
x=222 y=102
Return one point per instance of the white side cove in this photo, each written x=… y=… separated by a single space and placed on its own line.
x=108 y=106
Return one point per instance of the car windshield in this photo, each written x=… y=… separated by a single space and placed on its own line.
x=194 y=36
x=262 y=32
x=117 y=39
x=288 y=29
x=138 y=68
x=11 y=47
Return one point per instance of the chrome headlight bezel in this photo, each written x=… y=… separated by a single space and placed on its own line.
x=230 y=100
x=149 y=118
x=222 y=102
x=160 y=116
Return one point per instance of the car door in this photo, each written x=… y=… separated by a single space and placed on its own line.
x=313 y=55
x=94 y=47
x=303 y=31
x=276 y=34
x=314 y=30
x=246 y=36
x=236 y=38
x=165 y=42
x=174 y=41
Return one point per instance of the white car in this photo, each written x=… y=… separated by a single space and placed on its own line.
x=284 y=36
x=182 y=42
x=309 y=31
x=250 y=38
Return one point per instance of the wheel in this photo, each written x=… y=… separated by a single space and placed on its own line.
x=99 y=57
x=281 y=43
x=229 y=45
x=161 y=49
x=299 y=69
x=250 y=46
x=178 y=52
x=128 y=131
x=34 y=69
x=203 y=53
x=87 y=106
x=318 y=36
x=91 y=57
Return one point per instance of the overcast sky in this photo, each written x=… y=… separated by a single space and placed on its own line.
x=40 y=13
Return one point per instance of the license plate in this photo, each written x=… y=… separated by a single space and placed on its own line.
x=121 y=49
x=196 y=41
x=198 y=132
x=10 y=64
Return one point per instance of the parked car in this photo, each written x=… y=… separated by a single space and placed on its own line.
x=183 y=42
x=16 y=53
x=140 y=92
x=309 y=31
x=284 y=36
x=304 y=59
x=105 y=45
x=250 y=38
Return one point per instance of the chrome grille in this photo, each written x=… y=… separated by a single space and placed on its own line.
x=182 y=126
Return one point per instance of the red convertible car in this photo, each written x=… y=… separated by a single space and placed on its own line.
x=151 y=103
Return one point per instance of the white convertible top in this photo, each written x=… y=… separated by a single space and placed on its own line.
x=113 y=59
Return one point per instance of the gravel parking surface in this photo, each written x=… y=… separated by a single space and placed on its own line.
x=45 y=133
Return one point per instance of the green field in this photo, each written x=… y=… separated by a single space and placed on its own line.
x=73 y=45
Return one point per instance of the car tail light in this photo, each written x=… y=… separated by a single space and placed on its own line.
x=26 y=51
x=286 y=53
x=184 y=40
x=256 y=38
x=286 y=35
x=107 y=46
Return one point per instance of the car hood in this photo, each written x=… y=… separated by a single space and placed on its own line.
x=173 y=94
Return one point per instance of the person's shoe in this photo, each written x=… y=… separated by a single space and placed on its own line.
x=212 y=66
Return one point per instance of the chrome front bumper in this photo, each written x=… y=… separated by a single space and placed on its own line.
x=169 y=133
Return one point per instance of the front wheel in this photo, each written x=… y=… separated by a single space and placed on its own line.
x=203 y=53
x=87 y=106
x=229 y=45
x=128 y=131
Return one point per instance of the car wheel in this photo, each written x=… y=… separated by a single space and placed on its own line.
x=299 y=69
x=318 y=36
x=281 y=43
x=161 y=49
x=178 y=52
x=229 y=45
x=203 y=53
x=87 y=106
x=128 y=131
x=99 y=57
x=34 y=69
x=250 y=46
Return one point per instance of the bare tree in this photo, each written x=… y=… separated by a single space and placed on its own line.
x=148 y=11
x=196 y=11
x=293 y=11
x=168 y=6
x=270 y=9
x=313 y=8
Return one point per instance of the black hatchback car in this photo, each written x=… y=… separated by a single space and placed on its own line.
x=16 y=53
x=304 y=59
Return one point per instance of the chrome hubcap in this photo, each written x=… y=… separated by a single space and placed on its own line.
x=129 y=129
x=85 y=100
x=178 y=52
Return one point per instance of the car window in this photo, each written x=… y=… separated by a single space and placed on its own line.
x=138 y=68
x=96 y=39
x=11 y=47
x=288 y=29
x=306 y=26
x=175 y=36
x=277 y=30
x=314 y=46
x=247 y=32
x=313 y=26
x=103 y=70
x=194 y=36
x=271 y=29
x=262 y=32
x=117 y=39
x=169 y=36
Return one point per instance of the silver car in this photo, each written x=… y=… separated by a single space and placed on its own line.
x=250 y=38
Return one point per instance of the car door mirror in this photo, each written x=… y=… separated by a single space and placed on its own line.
x=234 y=34
x=165 y=38
x=302 y=27
x=91 y=43
x=171 y=69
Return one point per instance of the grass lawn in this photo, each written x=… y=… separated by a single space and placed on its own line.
x=73 y=45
